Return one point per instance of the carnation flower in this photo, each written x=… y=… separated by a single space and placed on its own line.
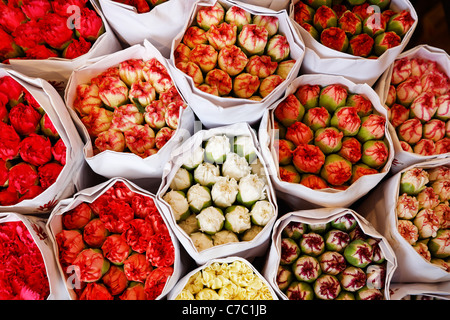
x=70 y=244
x=238 y=16
x=11 y=17
x=115 y=214
x=155 y=72
x=308 y=158
x=55 y=32
x=210 y=15
x=136 y=267
x=194 y=36
x=113 y=91
x=385 y=41
x=138 y=235
x=134 y=291
x=140 y=138
x=76 y=48
x=115 y=249
x=334 y=38
x=253 y=39
x=162 y=136
x=95 y=291
x=48 y=173
x=222 y=35
x=36 y=149
x=92 y=265
x=110 y=139
x=115 y=280
x=22 y=176
x=95 y=233
x=360 y=45
x=77 y=217
x=24 y=119
x=9 y=142
x=160 y=251
x=232 y=60
x=299 y=133
x=423 y=106
x=90 y=25
x=336 y=170
x=181 y=53
x=269 y=84
x=278 y=48
x=219 y=79
x=28 y=35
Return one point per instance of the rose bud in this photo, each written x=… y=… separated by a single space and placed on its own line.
x=360 y=45
x=374 y=25
x=92 y=265
x=375 y=153
x=110 y=139
x=54 y=31
x=392 y=96
x=115 y=280
x=192 y=70
x=332 y=97
x=278 y=48
x=125 y=117
x=434 y=130
x=410 y=131
x=352 y=279
x=238 y=16
x=70 y=244
x=299 y=133
x=308 y=158
x=219 y=79
x=400 y=23
x=130 y=71
x=86 y=98
x=407 y=206
x=232 y=60
x=334 y=38
x=438 y=246
x=313 y=182
x=90 y=25
x=143 y=92
x=205 y=56
x=289 y=174
x=324 y=18
x=435 y=82
x=172 y=115
x=77 y=217
x=358 y=253
x=113 y=91
x=427 y=198
x=401 y=70
x=303 y=13
x=346 y=119
x=351 y=149
x=253 y=39
x=329 y=139
x=442 y=188
x=155 y=72
x=48 y=173
x=317 y=118
x=9 y=142
x=140 y=138
x=181 y=53
x=385 y=41
x=162 y=136
x=398 y=114
x=245 y=85
x=134 y=291
x=306 y=268
x=210 y=15
x=222 y=35
x=24 y=119
x=284 y=68
x=408 y=90
x=269 y=84
x=22 y=176
x=372 y=128
x=350 y=23
x=413 y=181
x=427 y=222
x=327 y=287
x=336 y=170
x=116 y=249
x=136 y=267
x=36 y=149
x=299 y=290
x=95 y=233
x=336 y=240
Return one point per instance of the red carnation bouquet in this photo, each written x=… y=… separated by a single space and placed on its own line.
x=117 y=246
x=41 y=29
x=32 y=154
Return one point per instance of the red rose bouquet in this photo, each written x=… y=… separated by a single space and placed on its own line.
x=40 y=29
x=31 y=151
x=118 y=245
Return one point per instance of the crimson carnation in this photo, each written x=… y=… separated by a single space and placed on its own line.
x=55 y=31
x=91 y=25
x=10 y=17
x=160 y=251
x=4 y=172
x=143 y=206
x=96 y=291
x=12 y=89
x=36 y=149
x=28 y=35
x=157 y=222
x=22 y=176
x=136 y=267
x=40 y=52
x=48 y=173
x=120 y=191
x=115 y=280
x=116 y=215
x=59 y=151
x=70 y=244
x=361 y=45
x=95 y=233
x=115 y=249
x=35 y=9
x=9 y=142
x=334 y=38
x=62 y=7
x=8 y=198
x=24 y=119
x=32 y=193
x=156 y=281
x=138 y=234
x=76 y=48
x=77 y=217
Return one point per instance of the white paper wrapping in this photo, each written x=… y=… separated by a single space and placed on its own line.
x=215 y=111
x=276 y=5
x=321 y=59
x=404 y=291
x=57 y=70
x=300 y=196
x=159 y=26
x=380 y=209
x=317 y=216
x=89 y=195
x=183 y=281
x=403 y=158
x=36 y=227
x=125 y=164
x=71 y=176
x=244 y=249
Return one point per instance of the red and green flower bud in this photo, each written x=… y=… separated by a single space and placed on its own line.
x=269 y=22
x=313 y=181
x=359 y=253
x=327 y=287
x=351 y=149
x=398 y=114
x=332 y=97
x=289 y=174
x=289 y=251
x=284 y=68
x=140 y=138
x=219 y=79
x=162 y=136
x=316 y=118
x=336 y=240
x=299 y=133
x=308 y=158
x=285 y=148
x=361 y=169
x=400 y=23
x=374 y=25
x=143 y=92
x=306 y=268
x=299 y=290
x=352 y=279
x=92 y=265
x=278 y=48
x=95 y=233
x=312 y=244
x=294 y=230
x=284 y=277
x=210 y=15
x=245 y=85
x=346 y=119
x=332 y=262
x=222 y=35
x=113 y=91
x=336 y=170
x=269 y=84
x=329 y=139
x=253 y=39
x=372 y=128
x=238 y=16
x=350 y=23
x=192 y=70
x=385 y=41
x=303 y=13
x=110 y=139
x=360 y=45
x=232 y=60
x=375 y=153
x=334 y=38
x=194 y=36
x=324 y=18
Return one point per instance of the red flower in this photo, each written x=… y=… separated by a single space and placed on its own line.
x=48 y=173
x=40 y=52
x=135 y=291
x=8 y=198
x=136 y=267
x=62 y=7
x=116 y=215
x=95 y=233
x=32 y=193
x=28 y=35
x=77 y=217
x=11 y=88
x=24 y=119
x=96 y=291
x=47 y=127
x=9 y=142
x=156 y=281
x=4 y=172
x=120 y=191
x=138 y=234
x=59 y=151
x=70 y=244
x=10 y=17
x=157 y=222
x=116 y=249
x=55 y=31
x=8 y=48
x=22 y=176
x=308 y=158
x=76 y=48
x=35 y=9
x=91 y=264
x=36 y=149
x=91 y=25
x=160 y=251
x=143 y=206
x=115 y=279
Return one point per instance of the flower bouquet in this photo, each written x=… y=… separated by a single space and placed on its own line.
x=158 y=21
x=216 y=194
x=38 y=146
x=357 y=39
x=62 y=35
x=111 y=242
x=230 y=278
x=233 y=60
x=129 y=111
x=411 y=210
x=28 y=268
x=420 y=291
x=329 y=254
x=326 y=142
x=415 y=90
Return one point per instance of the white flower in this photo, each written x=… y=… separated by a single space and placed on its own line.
x=201 y=241
x=224 y=192
x=178 y=203
x=243 y=146
x=206 y=174
x=198 y=197
x=217 y=148
x=194 y=159
x=182 y=180
x=261 y=213
x=235 y=166
x=237 y=219
x=251 y=189
x=210 y=220
x=224 y=237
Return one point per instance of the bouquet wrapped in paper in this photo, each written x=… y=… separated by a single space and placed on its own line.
x=354 y=39
x=420 y=291
x=329 y=254
x=217 y=196
x=111 y=242
x=48 y=39
x=28 y=265
x=326 y=142
x=411 y=210
x=129 y=111
x=415 y=91
x=232 y=60
x=40 y=161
